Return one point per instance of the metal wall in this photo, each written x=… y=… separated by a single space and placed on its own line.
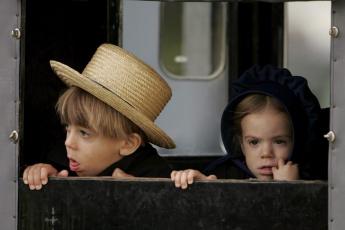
x=337 y=148
x=9 y=76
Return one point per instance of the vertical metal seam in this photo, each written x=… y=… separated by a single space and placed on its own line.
x=330 y=149
x=16 y=112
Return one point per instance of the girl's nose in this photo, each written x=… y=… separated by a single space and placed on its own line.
x=267 y=151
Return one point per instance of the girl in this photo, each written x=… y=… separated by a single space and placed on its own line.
x=267 y=129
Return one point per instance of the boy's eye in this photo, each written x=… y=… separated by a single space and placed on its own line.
x=84 y=133
x=67 y=128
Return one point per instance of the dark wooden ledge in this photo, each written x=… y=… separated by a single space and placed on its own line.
x=104 y=203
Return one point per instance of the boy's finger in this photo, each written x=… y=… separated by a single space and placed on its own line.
x=178 y=179
x=212 y=177
x=37 y=178
x=116 y=173
x=44 y=175
x=30 y=177
x=172 y=175
x=190 y=176
x=63 y=173
x=119 y=174
x=184 y=183
x=25 y=175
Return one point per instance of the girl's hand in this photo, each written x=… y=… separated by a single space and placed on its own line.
x=37 y=175
x=183 y=178
x=287 y=172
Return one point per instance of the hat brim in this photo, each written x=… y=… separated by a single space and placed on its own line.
x=72 y=77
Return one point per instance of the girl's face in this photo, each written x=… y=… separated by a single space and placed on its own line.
x=90 y=153
x=266 y=137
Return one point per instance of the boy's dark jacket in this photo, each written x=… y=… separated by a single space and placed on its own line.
x=310 y=148
x=144 y=162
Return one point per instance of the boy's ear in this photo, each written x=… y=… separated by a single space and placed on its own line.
x=131 y=144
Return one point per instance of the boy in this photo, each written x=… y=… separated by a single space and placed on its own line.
x=109 y=112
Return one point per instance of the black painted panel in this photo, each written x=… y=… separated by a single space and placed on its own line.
x=156 y=204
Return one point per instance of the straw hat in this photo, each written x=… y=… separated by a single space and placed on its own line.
x=127 y=84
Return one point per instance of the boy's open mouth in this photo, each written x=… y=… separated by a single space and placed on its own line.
x=73 y=165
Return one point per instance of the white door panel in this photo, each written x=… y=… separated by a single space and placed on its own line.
x=192 y=117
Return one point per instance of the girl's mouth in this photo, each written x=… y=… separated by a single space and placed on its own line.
x=265 y=170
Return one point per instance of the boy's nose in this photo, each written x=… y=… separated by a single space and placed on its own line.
x=70 y=142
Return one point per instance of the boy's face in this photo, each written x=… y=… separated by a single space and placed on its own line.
x=266 y=137
x=89 y=153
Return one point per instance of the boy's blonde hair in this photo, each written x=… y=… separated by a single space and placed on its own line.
x=78 y=107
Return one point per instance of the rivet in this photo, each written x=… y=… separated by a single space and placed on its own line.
x=330 y=136
x=334 y=32
x=16 y=33
x=14 y=136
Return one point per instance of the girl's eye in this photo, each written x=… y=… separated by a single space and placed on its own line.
x=281 y=142
x=253 y=142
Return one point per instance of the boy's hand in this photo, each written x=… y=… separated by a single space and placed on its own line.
x=37 y=175
x=120 y=174
x=288 y=171
x=183 y=178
